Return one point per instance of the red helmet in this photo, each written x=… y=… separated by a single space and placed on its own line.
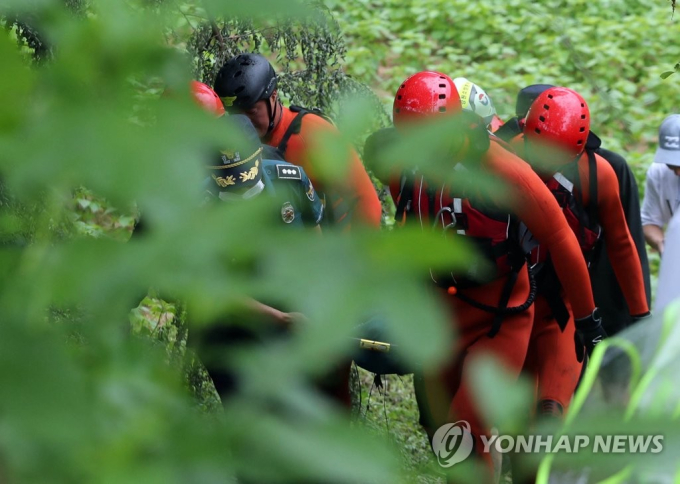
x=559 y=117
x=207 y=98
x=425 y=94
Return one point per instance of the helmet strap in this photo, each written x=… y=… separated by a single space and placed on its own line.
x=272 y=114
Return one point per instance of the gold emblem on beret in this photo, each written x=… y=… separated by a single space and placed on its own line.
x=248 y=175
x=224 y=182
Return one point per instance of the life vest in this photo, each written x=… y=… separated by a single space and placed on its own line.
x=436 y=208
x=493 y=234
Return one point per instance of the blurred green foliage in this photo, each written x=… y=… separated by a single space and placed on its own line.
x=94 y=392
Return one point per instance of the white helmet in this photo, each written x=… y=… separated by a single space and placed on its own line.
x=474 y=99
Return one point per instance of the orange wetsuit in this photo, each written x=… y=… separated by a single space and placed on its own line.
x=448 y=395
x=551 y=359
x=357 y=191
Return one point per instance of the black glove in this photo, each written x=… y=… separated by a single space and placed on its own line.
x=589 y=332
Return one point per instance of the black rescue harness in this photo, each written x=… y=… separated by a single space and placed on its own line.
x=494 y=235
x=583 y=221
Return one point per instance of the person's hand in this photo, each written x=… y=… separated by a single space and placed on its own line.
x=275 y=315
x=654 y=236
x=589 y=333
x=294 y=318
x=288 y=320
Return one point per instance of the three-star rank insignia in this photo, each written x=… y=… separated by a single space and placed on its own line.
x=288 y=172
x=287 y=212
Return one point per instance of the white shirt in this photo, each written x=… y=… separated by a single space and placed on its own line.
x=662 y=195
x=668 y=288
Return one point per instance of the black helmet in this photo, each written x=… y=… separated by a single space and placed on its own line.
x=244 y=80
x=527 y=96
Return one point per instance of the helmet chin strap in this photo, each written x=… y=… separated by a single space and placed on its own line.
x=272 y=114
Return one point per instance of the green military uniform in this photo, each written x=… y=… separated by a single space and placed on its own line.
x=238 y=174
x=294 y=200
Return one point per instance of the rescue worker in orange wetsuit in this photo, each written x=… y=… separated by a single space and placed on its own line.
x=494 y=224
x=608 y=295
x=556 y=131
x=247 y=85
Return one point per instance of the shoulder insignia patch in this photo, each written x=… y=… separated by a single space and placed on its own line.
x=310 y=192
x=288 y=172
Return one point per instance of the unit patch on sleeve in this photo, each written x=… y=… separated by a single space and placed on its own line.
x=288 y=172
x=287 y=212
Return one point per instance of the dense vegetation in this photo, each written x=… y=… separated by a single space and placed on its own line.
x=613 y=52
x=92 y=392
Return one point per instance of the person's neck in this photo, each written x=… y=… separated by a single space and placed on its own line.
x=278 y=114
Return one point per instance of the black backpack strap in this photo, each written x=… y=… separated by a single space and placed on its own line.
x=502 y=309
x=551 y=290
x=294 y=128
x=509 y=130
x=503 y=303
x=405 y=194
x=591 y=211
x=518 y=259
x=592 y=188
x=431 y=195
